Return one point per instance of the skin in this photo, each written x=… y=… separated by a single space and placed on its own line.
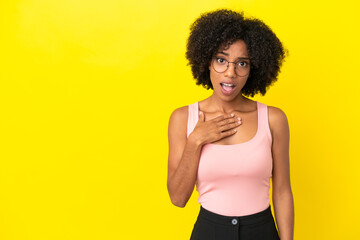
x=216 y=125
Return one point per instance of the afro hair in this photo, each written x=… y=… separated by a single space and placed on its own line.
x=223 y=27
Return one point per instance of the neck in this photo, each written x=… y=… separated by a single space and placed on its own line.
x=219 y=105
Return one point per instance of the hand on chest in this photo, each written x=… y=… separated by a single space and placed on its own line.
x=245 y=132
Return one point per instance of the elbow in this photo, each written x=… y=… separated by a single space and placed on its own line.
x=178 y=200
x=285 y=195
x=178 y=203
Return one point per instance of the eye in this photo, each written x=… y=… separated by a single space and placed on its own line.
x=242 y=64
x=220 y=60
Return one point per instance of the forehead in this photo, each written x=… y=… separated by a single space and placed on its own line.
x=238 y=47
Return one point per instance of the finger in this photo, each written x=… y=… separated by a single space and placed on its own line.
x=201 y=116
x=230 y=126
x=228 y=133
x=228 y=121
x=223 y=117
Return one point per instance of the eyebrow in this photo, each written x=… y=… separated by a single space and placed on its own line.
x=226 y=54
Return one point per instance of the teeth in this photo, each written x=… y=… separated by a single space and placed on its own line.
x=227 y=84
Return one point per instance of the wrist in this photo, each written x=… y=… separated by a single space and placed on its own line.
x=194 y=140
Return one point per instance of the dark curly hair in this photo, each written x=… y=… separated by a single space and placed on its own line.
x=223 y=27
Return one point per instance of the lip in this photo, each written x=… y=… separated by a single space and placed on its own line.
x=225 y=92
x=228 y=82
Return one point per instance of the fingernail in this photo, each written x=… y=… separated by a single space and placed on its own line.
x=232 y=114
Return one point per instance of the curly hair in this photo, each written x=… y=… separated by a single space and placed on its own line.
x=223 y=27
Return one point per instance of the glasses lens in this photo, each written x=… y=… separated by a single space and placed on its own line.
x=242 y=68
x=220 y=65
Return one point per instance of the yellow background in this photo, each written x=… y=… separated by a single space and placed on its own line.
x=86 y=91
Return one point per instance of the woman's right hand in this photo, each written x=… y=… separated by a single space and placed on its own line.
x=215 y=129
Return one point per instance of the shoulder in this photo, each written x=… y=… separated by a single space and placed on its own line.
x=178 y=118
x=278 y=121
x=276 y=114
x=179 y=114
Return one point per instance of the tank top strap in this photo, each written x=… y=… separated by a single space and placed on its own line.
x=193 y=117
x=264 y=120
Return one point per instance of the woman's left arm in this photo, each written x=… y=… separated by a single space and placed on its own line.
x=281 y=188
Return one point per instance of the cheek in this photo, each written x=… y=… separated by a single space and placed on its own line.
x=243 y=82
x=214 y=78
x=214 y=75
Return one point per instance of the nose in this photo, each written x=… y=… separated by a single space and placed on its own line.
x=230 y=71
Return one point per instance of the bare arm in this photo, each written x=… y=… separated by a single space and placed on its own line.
x=282 y=193
x=182 y=180
x=184 y=153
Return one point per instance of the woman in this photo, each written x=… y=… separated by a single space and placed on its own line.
x=228 y=145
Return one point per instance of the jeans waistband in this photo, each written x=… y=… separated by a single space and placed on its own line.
x=259 y=217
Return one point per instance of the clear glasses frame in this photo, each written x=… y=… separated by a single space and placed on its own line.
x=239 y=70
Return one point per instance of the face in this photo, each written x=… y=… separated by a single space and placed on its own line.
x=228 y=84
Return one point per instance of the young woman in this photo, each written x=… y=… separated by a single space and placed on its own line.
x=228 y=145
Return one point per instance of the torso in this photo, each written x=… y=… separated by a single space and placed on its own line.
x=246 y=131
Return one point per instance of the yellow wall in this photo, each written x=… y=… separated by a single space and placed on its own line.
x=86 y=91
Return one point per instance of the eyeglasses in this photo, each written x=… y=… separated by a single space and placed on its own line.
x=242 y=67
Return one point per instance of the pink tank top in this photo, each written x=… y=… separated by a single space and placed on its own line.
x=234 y=180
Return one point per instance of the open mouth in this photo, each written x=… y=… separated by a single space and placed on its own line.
x=227 y=88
